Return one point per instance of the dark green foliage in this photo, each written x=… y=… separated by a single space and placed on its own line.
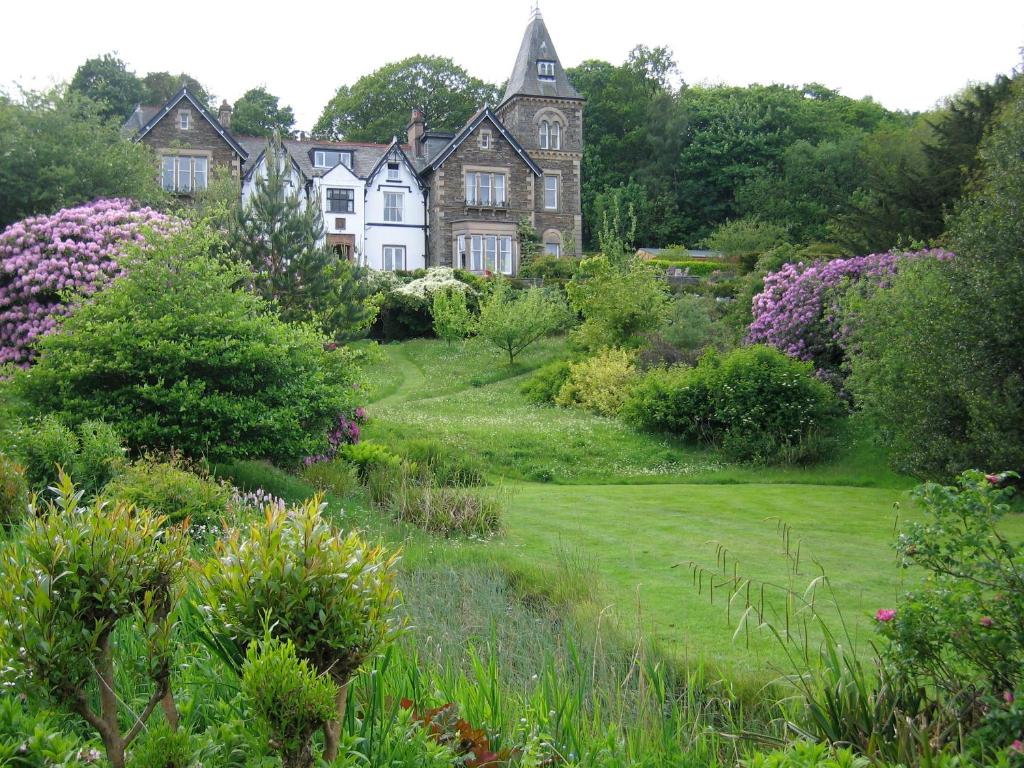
x=529 y=243
x=160 y=86
x=619 y=304
x=92 y=454
x=161 y=747
x=755 y=402
x=257 y=113
x=281 y=241
x=693 y=267
x=13 y=492
x=403 y=316
x=367 y=455
x=289 y=697
x=177 y=356
x=171 y=489
x=57 y=149
x=376 y=107
x=939 y=354
x=546 y=382
x=445 y=464
x=337 y=477
x=556 y=269
x=107 y=81
x=746 y=240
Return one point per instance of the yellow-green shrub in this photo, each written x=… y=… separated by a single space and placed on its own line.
x=601 y=383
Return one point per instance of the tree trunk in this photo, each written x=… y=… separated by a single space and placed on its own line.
x=332 y=728
x=170 y=710
x=111 y=734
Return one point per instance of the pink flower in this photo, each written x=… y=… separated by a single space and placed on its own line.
x=1017 y=746
x=986 y=621
x=885 y=614
x=1008 y=697
x=993 y=479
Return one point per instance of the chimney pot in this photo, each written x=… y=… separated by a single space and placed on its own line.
x=224 y=114
x=416 y=129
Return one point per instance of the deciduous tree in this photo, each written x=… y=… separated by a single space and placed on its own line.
x=257 y=113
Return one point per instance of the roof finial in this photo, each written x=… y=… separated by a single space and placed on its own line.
x=535 y=13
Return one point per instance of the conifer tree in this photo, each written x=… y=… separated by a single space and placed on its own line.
x=279 y=233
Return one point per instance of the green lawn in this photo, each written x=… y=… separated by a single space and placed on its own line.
x=635 y=510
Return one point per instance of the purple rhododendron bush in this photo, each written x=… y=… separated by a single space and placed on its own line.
x=44 y=259
x=799 y=311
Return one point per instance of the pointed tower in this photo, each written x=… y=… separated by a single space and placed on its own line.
x=544 y=112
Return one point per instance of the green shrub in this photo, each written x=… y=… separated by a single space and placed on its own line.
x=452 y=319
x=178 y=355
x=332 y=595
x=336 y=477
x=160 y=747
x=512 y=320
x=694 y=267
x=289 y=696
x=546 y=382
x=404 y=742
x=402 y=316
x=366 y=455
x=382 y=480
x=445 y=465
x=13 y=492
x=806 y=754
x=446 y=511
x=601 y=383
x=92 y=456
x=756 y=403
x=553 y=268
x=116 y=566
x=172 y=489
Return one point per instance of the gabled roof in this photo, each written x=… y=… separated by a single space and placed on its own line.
x=537 y=46
x=394 y=151
x=173 y=102
x=256 y=159
x=484 y=114
x=365 y=155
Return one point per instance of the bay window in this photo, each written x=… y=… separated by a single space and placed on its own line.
x=183 y=174
x=487 y=253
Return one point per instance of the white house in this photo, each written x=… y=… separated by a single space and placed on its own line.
x=396 y=214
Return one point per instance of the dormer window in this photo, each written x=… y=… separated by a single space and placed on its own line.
x=545 y=70
x=485 y=139
x=184 y=119
x=328 y=158
x=394 y=172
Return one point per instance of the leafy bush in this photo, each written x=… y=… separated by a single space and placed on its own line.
x=289 y=697
x=402 y=316
x=366 y=455
x=92 y=455
x=452 y=318
x=445 y=465
x=43 y=258
x=114 y=564
x=746 y=239
x=332 y=595
x=336 y=476
x=618 y=303
x=175 y=355
x=553 y=268
x=171 y=489
x=512 y=320
x=446 y=510
x=546 y=382
x=694 y=267
x=601 y=383
x=755 y=402
x=161 y=747
x=806 y=754
x=13 y=492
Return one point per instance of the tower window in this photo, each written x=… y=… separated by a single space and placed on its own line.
x=545 y=70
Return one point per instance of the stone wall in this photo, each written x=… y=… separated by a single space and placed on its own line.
x=201 y=138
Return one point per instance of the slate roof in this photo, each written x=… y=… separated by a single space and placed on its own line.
x=365 y=155
x=484 y=114
x=536 y=46
x=172 y=102
x=137 y=120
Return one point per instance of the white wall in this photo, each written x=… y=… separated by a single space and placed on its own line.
x=249 y=184
x=411 y=233
x=343 y=178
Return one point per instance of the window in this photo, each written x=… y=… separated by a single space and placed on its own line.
x=183 y=174
x=328 y=158
x=485 y=189
x=556 y=135
x=490 y=253
x=545 y=134
x=394 y=257
x=485 y=139
x=477 y=263
x=341 y=200
x=393 y=207
x=545 y=70
x=460 y=252
x=394 y=173
x=551 y=192
x=185 y=119
x=505 y=255
x=553 y=249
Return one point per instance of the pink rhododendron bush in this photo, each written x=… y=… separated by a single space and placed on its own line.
x=799 y=311
x=46 y=259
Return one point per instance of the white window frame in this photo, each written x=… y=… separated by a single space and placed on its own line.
x=553 y=249
x=550 y=192
x=185 y=173
x=394 y=172
x=485 y=139
x=476 y=263
x=505 y=254
x=351 y=199
x=185 y=119
x=545 y=70
x=320 y=158
x=394 y=213
x=556 y=135
x=490 y=253
x=460 y=252
x=545 y=134
x=392 y=258
x=486 y=189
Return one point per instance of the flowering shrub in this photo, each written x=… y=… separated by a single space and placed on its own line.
x=42 y=258
x=798 y=310
x=344 y=432
x=436 y=279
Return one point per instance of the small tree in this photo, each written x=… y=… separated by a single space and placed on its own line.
x=77 y=575
x=512 y=322
x=332 y=595
x=452 y=319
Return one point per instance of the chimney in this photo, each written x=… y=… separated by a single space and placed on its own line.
x=416 y=128
x=224 y=115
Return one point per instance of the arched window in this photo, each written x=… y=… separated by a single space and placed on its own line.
x=545 y=134
x=556 y=135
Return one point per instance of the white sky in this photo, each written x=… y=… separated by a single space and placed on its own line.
x=906 y=54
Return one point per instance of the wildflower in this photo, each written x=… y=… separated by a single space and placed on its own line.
x=986 y=621
x=1018 y=746
x=885 y=614
x=1008 y=697
x=993 y=479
